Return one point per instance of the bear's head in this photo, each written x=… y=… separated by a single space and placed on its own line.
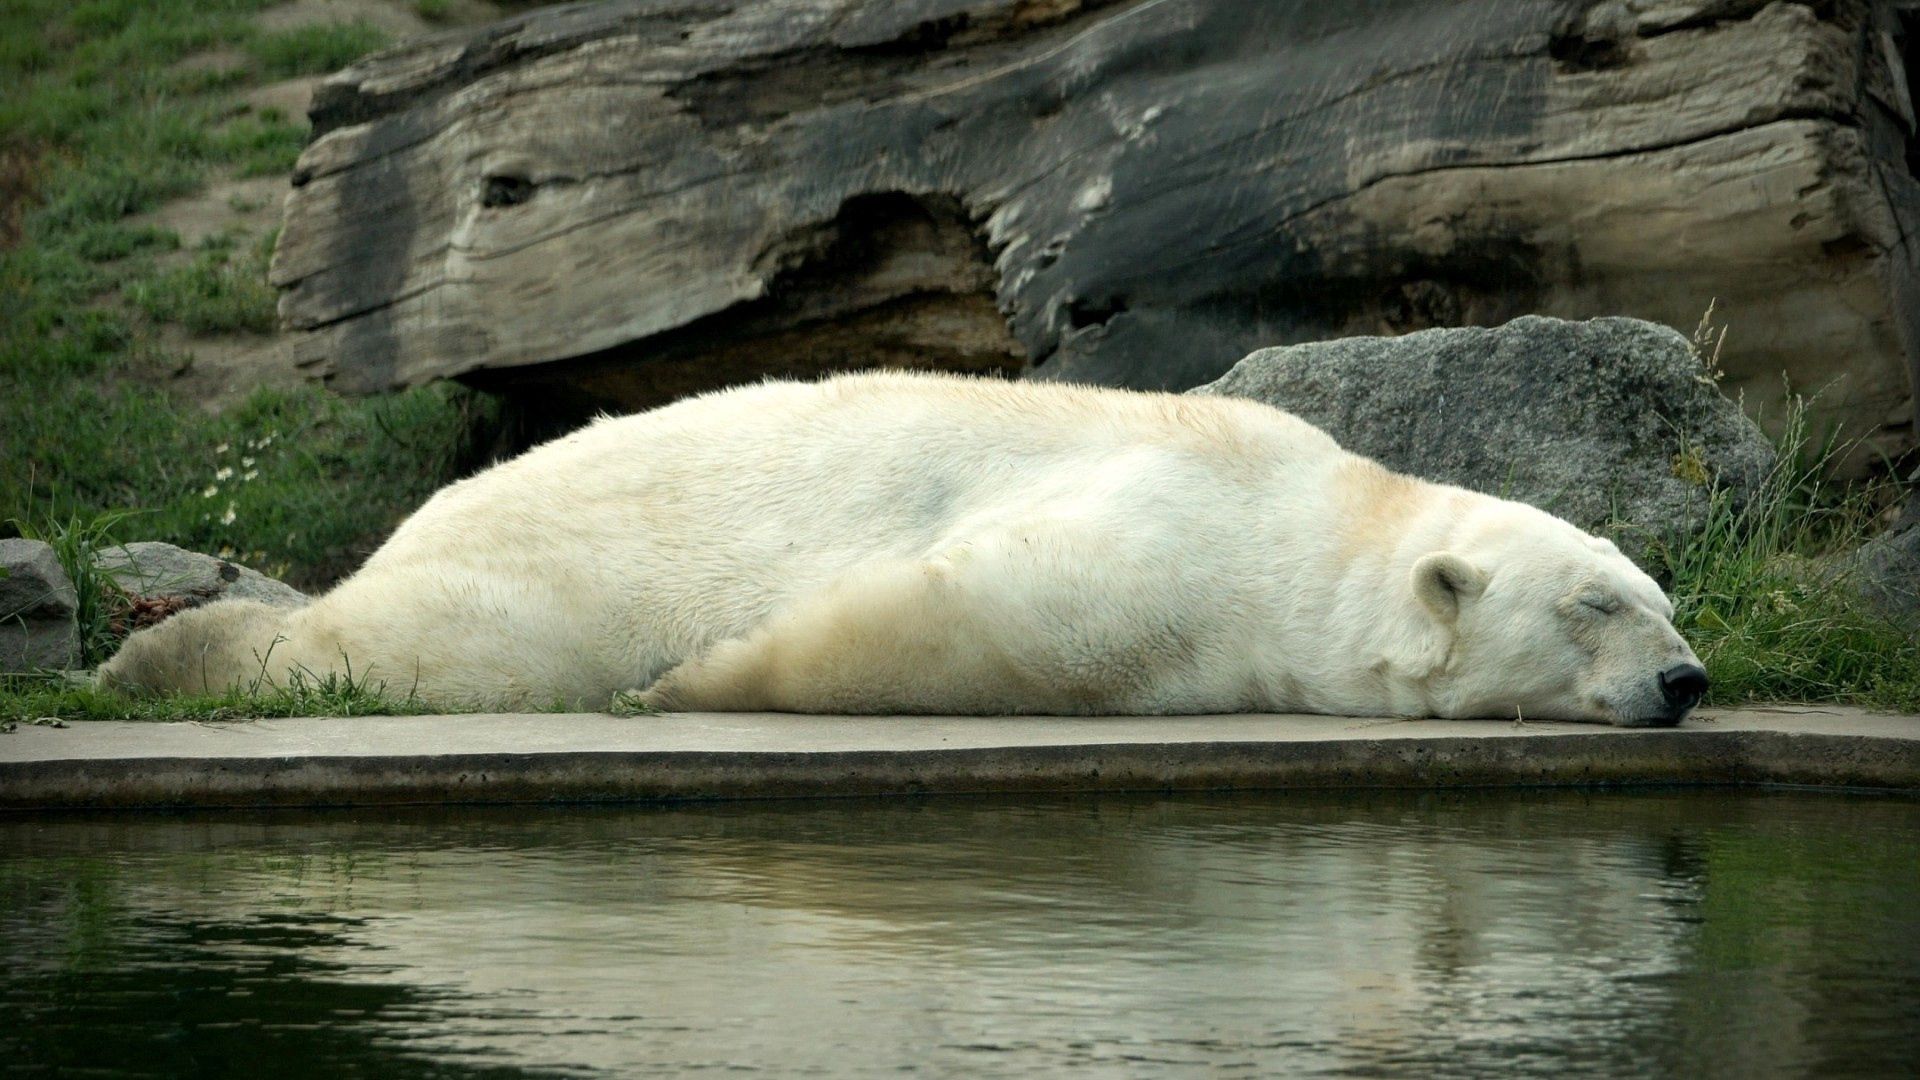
x=1543 y=621
x=203 y=650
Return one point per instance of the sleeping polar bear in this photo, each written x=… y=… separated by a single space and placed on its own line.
x=918 y=543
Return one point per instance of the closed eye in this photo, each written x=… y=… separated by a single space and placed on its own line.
x=1604 y=607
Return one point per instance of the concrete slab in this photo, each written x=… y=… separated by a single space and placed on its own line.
x=593 y=757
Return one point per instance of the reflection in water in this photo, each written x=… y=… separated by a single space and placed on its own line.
x=1372 y=934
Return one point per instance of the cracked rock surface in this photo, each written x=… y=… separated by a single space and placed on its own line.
x=621 y=203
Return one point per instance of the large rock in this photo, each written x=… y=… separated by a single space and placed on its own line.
x=1605 y=421
x=633 y=200
x=162 y=571
x=37 y=609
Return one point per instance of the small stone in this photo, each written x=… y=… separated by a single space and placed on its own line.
x=37 y=607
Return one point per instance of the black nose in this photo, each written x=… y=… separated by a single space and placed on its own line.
x=1684 y=686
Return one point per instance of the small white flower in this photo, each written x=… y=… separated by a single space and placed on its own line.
x=211 y=491
x=250 y=474
x=246 y=463
x=223 y=473
x=221 y=449
x=227 y=518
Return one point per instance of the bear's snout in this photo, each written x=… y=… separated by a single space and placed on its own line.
x=1681 y=687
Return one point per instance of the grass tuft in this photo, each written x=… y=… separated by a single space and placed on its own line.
x=107 y=242
x=100 y=598
x=1763 y=592
x=112 y=188
x=215 y=293
x=316 y=49
x=263 y=145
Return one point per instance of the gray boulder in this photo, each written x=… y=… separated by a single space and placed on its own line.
x=37 y=608
x=1886 y=570
x=1605 y=421
x=156 y=570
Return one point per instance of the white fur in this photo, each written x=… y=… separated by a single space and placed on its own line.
x=927 y=544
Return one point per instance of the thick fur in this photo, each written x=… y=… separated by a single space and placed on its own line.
x=929 y=544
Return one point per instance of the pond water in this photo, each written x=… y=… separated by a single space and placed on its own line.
x=1379 y=934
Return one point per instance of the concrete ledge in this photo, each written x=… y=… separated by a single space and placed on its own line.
x=590 y=757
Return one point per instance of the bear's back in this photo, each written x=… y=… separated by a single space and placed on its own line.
x=873 y=463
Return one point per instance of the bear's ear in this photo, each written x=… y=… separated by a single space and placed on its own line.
x=1442 y=580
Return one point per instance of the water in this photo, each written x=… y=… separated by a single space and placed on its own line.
x=1384 y=934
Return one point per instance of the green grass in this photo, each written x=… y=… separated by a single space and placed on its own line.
x=25 y=699
x=216 y=292
x=1761 y=592
x=99 y=242
x=266 y=144
x=297 y=484
x=312 y=50
x=100 y=122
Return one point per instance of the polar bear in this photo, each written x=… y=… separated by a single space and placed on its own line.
x=917 y=543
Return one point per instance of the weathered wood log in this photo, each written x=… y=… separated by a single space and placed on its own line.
x=638 y=199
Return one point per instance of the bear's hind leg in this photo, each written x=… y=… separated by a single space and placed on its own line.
x=869 y=642
x=896 y=637
x=1016 y=620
